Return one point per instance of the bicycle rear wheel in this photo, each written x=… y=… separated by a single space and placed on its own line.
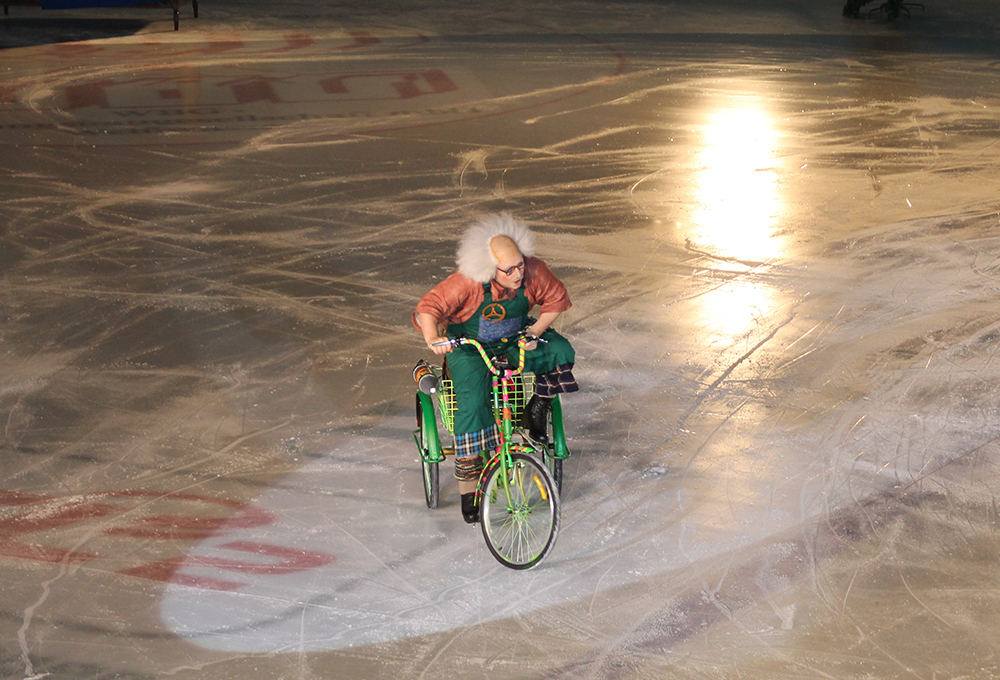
x=553 y=464
x=556 y=451
x=429 y=469
x=519 y=515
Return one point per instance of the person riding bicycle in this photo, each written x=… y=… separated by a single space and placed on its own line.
x=497 y=284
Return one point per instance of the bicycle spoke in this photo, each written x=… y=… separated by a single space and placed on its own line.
x=520 y=521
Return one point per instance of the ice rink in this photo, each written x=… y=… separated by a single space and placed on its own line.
x=780 y=229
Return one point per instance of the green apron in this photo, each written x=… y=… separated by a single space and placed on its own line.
x=492 y=322
x=470 y=377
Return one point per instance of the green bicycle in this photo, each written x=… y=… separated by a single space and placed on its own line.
x=518 y=490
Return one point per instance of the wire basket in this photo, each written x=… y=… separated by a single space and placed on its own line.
x=521 y=388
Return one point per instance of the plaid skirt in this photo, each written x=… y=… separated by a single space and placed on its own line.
x=559 y=379
x=471 y=443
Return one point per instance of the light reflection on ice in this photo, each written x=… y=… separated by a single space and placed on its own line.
x=736 y=188
x=733 y=310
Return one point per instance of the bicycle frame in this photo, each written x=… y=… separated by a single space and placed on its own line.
x=517 y=492
x=502 y=378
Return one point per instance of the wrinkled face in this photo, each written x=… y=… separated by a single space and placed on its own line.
x=510 y=272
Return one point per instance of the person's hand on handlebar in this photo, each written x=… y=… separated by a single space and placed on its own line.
x=530 y=339
x=440 y=344
x=431 y=331
x=535 y=330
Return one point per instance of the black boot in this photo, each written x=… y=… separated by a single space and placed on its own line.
x=538 y=417
x=470 y=511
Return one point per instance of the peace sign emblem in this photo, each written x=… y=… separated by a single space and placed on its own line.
x=494 y=312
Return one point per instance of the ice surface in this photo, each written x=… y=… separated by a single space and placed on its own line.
x=779 y=228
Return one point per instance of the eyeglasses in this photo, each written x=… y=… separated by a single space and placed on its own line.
x=511 y=270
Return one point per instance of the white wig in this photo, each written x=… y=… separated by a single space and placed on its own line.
x=475 y=257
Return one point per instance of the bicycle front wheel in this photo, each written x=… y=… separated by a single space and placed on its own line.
x=519 y=511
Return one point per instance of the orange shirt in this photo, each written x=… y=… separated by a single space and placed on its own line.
x=457 y=298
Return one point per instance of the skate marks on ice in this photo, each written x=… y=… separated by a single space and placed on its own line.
x=225 y=87
x=396 y=569
x=869 y=421
x=858 y=593
x=663 y=544
x=916 y=338
x=884 y=405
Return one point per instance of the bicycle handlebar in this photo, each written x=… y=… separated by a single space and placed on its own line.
x=522 y=338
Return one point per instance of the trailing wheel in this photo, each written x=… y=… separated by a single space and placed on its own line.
x=427 y=455
x=556 y=451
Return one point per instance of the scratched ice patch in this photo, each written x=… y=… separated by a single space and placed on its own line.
x=191 y=91
x=344 y=563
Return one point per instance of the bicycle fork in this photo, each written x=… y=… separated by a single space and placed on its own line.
x=502 y=457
